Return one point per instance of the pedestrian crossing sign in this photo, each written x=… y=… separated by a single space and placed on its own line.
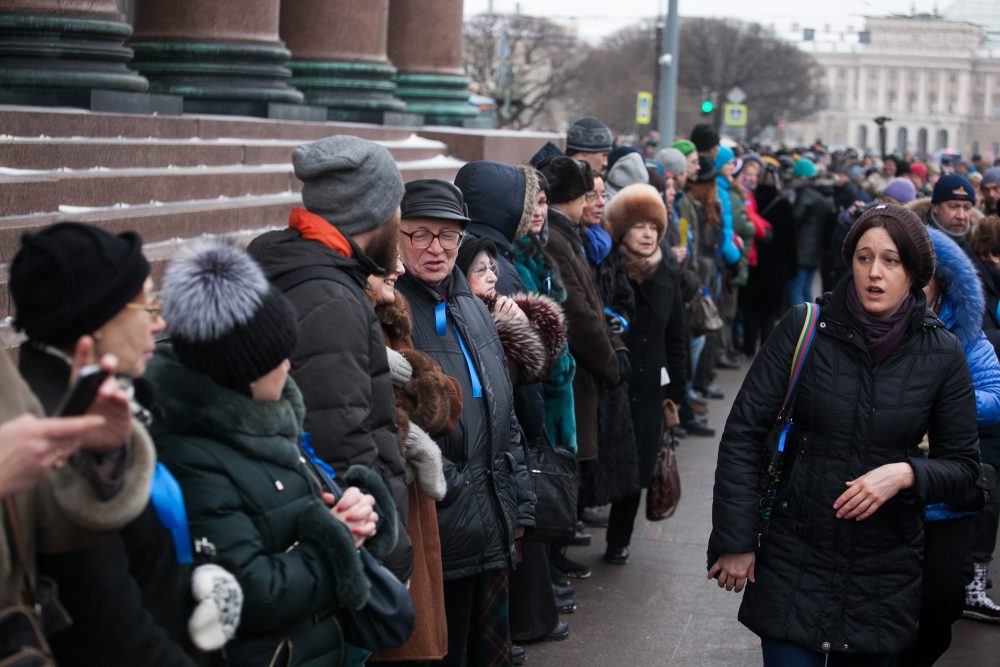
x=644 y=108
x=736 y=115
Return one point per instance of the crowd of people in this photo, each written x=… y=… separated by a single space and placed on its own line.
x=424 y=343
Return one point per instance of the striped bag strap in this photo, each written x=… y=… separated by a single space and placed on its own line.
x=802 y=347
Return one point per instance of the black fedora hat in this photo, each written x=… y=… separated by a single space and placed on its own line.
x=434 y=198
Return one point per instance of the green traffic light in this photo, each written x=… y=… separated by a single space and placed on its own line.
x=707 y=106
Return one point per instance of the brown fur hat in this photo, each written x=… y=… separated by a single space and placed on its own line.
x=633 y=204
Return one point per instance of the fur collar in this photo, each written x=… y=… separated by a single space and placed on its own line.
x=397 y=322
x=192 y=404
x=638 y=268
x=962 y=309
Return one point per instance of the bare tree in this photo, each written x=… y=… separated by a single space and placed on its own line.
x=527 y=63
x=781 y=82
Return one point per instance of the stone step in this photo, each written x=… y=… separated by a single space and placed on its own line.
x=23 y=121
x=70 y=152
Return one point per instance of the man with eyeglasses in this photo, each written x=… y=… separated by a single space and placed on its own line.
x=347 y=230
x=489 y=501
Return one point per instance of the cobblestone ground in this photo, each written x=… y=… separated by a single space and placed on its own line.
x=659 y=609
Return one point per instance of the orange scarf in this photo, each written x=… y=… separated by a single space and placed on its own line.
x=314 y=228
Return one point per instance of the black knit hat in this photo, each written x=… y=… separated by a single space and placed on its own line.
x=225 y=319
x=704 y=137
x=588 y=135
x=71 y=278
x=471 y=247
x=568 y=178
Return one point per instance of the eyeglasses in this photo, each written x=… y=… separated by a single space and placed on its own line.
x=154 y=307
x=423 y=238
x=592 y=196
x=481 y=270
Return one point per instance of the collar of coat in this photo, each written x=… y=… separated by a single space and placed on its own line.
x=192 y=404
x=314 y=228
x=833 y=311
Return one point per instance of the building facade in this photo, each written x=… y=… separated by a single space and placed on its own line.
x=936 y=78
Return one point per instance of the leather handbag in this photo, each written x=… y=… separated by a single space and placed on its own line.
x=557 y=483
x=777 y=461
x=702 y=315
x=386 y=621
x=22 y=641
x=664 y=494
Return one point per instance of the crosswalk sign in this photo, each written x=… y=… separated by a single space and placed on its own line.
x=736 y=115
x=644 y=108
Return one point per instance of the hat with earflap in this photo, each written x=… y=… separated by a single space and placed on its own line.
x=224 y=318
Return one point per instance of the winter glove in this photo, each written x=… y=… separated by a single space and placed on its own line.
x=400 y=370
x=624 y=365
x=423 y=456
x=219 y=601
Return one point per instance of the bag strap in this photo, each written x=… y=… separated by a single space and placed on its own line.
x=802 y=347
x=304 y=274
x=20 y=550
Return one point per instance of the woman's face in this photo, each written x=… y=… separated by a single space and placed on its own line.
x=539 y=214
x=129 y=335
x=670 y=193
x=482 y=275
x=384 y=286
x=880 y=279
x=594 y=202
x=270 y=386
x=641 y=239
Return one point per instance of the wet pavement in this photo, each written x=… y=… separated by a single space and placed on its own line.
x=659 y=610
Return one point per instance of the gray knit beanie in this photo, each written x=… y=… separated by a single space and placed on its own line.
x=588 y=135
x=672 y=160
x=351 y=183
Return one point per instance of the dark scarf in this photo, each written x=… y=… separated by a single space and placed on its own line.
x=882 y=334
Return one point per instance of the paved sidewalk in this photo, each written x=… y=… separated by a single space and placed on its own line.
x=659 y=609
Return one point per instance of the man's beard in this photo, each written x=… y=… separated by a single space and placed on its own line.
x=384 y=245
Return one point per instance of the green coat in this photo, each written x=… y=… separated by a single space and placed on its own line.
x=249 y=493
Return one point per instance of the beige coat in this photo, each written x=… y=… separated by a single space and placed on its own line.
x=63 y=513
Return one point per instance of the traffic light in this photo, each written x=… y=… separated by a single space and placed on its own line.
x=707 y=106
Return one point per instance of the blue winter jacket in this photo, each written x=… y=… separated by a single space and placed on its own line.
x=962 y=314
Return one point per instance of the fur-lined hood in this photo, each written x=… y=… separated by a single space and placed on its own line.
x=922 y=207
x=962 y=311
x=500 y=199
x=534 y=345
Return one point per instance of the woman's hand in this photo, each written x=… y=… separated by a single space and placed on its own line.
x=734 y=571
x=30 y=447
x=508 y=309
x=355 y=510
x=876 y=487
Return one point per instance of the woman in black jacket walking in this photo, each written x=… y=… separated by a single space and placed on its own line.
x=656 y=338
x=838 y=575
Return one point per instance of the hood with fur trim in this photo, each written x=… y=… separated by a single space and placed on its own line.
x=534 y=346
x=636 y=203
x=500 y=199
x=962 y=309
x=922 y=207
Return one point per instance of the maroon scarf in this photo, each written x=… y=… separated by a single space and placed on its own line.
x=882 y=334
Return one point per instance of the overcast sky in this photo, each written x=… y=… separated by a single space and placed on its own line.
x=600 y=17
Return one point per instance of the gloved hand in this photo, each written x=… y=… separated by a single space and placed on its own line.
x=615 y=325
x=219 y=604
x=624 y=365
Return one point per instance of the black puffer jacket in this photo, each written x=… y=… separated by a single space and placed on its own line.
x=823 y=583
x=489 y=492
x=340 y=365
x=815 y=214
